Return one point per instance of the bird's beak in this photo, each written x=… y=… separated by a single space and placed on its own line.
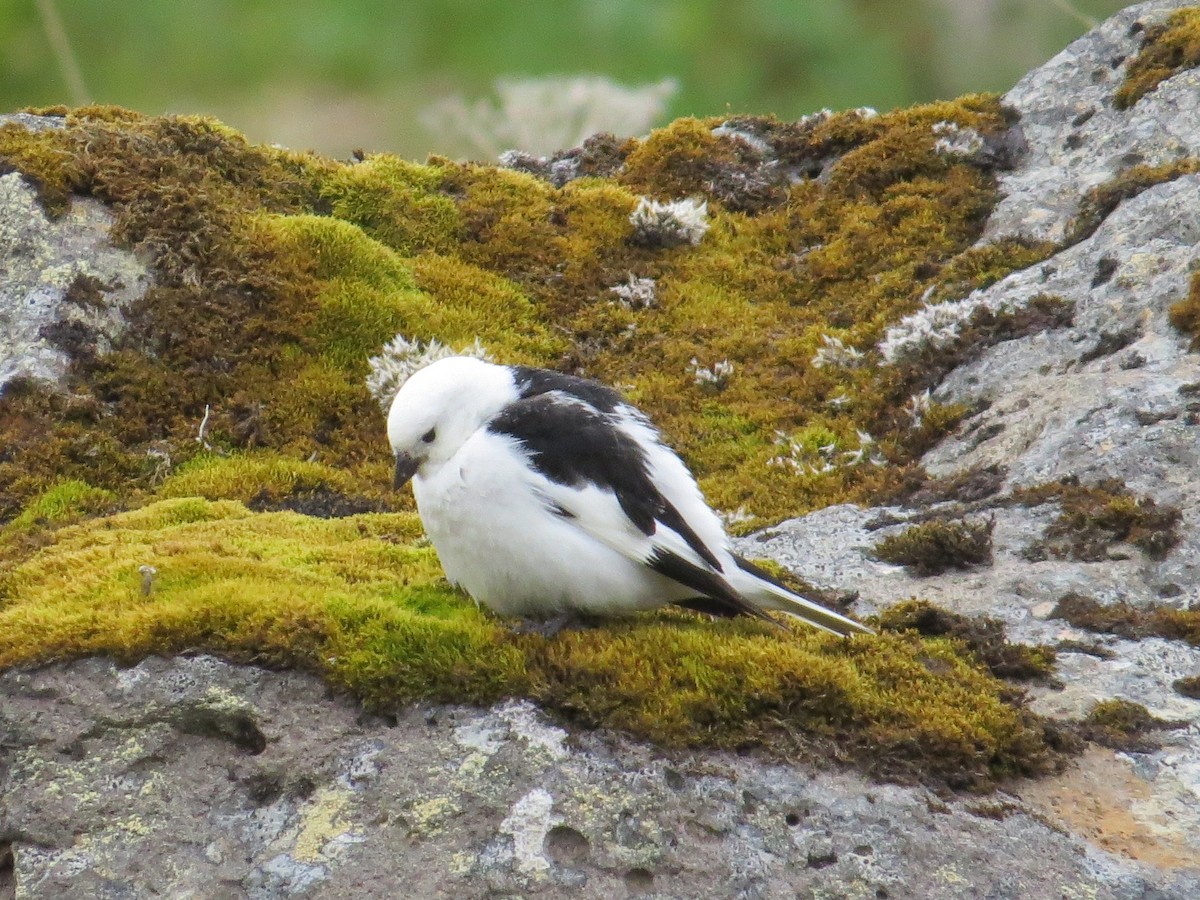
x=406 y=468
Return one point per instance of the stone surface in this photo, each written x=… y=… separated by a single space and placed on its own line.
x=40 y=259
x=1077 y=139
x=195 y=778
x=192 y=777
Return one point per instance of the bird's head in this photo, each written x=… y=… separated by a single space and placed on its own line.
x=439 y=407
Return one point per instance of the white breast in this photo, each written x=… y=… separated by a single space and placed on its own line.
x=489 y=522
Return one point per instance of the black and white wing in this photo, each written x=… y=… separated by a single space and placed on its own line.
x=601 y=476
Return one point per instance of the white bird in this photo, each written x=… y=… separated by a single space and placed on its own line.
x=547 y=495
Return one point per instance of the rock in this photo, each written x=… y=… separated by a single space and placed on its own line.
x=1076 y=138
x=474 y=803
x=195 y=777
x=64 y=284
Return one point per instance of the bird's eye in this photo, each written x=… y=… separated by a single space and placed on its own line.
x=428 y=437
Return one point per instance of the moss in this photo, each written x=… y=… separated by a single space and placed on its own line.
x=247 y=476
x=356 y=600
x=277 y=274
x=1094 y=517
x=398 y=203
x=1185 y=315
x=1166 y=49
x=1188 y=687
x=983 y=637
x=1123 y=726
x=933 y=547
x=1103 y=199
x=278 y=270
x=1128 y=621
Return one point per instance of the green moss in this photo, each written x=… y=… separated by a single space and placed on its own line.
x=278 y=274
x=936 y=546
x=1094 y=517
x=1129 y=621
x=1122 y=725
x=1188 y=687
x=983 y=637
x=246 y=476
x=396 y=202
x=67 y=501
x=1185 y=315
x=278 y=270
x=359 y=602
x=1167 y=48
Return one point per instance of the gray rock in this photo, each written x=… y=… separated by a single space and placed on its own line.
x=192 y=777
x=40 y=259
x=1110 y=397
x=111 y=793
x=1077 y=139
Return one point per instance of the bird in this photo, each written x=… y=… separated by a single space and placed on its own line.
x=548 y=496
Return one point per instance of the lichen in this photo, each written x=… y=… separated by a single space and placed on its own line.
x=1166 y=49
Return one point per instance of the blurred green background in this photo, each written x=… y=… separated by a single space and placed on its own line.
x=415 y=76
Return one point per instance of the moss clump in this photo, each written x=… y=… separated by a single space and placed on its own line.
x=1185 y=315
x=983 y=637
x=359 y=602
x=1103 y=199
x=933 y=547
x=278 y=274
x=1188 y=687
x=1129 y=621
x=1094 y=517
x=1122 y=725
x=1166 y=49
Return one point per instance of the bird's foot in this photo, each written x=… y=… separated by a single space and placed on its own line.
x=551 y=627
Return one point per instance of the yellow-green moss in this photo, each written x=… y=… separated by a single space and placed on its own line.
x=933 y=547
x=358 y=601
x=280 y=273
x=1122 y=725
x=1129 y=621
x=246 y=476
x=1096 y=516
x=983 y=637
x=1187 y=687
x=1185 y=315
x=1166 y=49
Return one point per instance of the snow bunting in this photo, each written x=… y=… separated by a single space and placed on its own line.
x=548 y=495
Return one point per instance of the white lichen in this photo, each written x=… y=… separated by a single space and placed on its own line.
x=918 y=407
x=800 y=459
x=837 y=354
x=953 y=140
x=716 y=377
x=636 y=293
x=402 y=356
x=669 y=224
x=935 y=327
x=734 y=517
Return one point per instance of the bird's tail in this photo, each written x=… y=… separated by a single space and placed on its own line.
x=765 y=591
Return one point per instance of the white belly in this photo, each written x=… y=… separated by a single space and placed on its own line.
x=502 y=544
